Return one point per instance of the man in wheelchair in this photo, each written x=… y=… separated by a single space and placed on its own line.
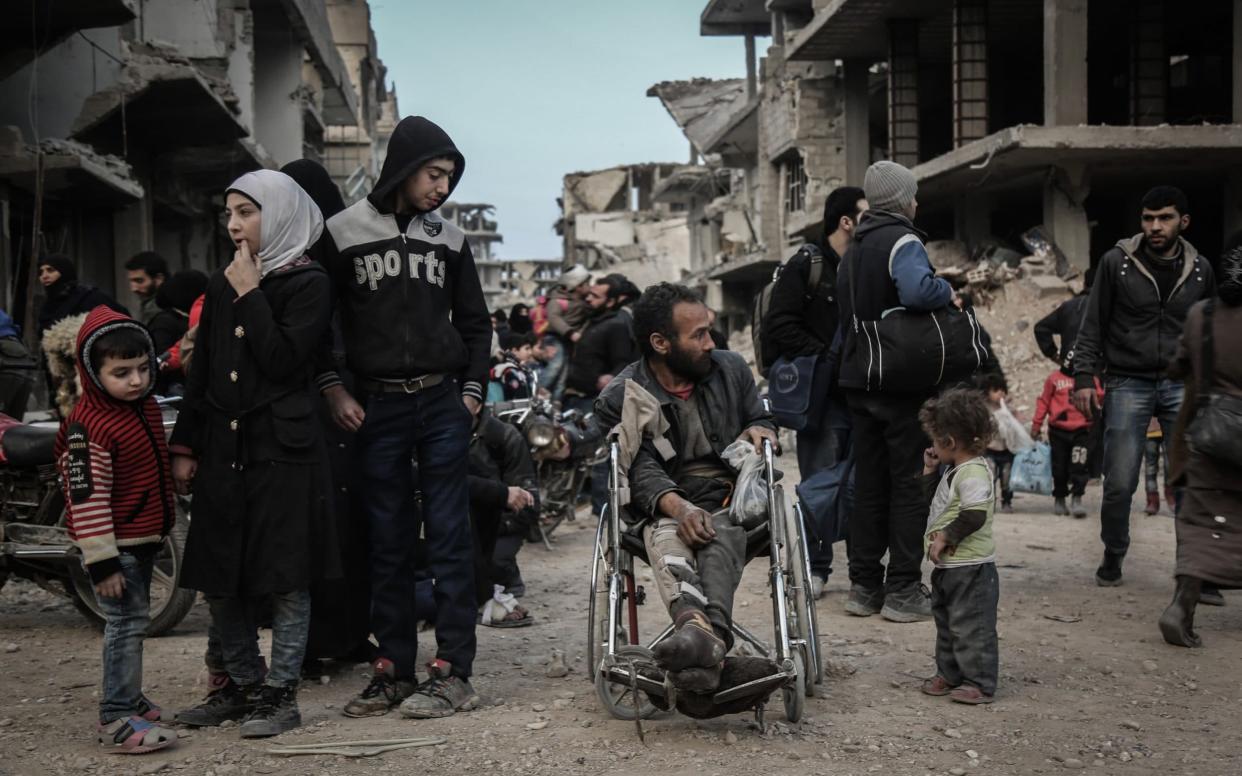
x=678 y=481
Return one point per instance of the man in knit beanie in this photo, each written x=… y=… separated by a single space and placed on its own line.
x=891 y=188
x=885 y=267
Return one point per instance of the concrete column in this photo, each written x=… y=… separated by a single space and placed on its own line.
x=970 y=71
x=132 y=232
x=903 y=91
x=750 y=67
x=857 y=125
x=1237 y=61
x=1065 y=219
x=1065 y=62
x=277 y=78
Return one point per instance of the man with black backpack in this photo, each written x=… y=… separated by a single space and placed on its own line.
x=801 y=320
x=886 y=267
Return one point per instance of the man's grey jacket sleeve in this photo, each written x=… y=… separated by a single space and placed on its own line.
x=648 y=479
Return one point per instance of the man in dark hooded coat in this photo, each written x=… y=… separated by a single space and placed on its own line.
x=417 y=339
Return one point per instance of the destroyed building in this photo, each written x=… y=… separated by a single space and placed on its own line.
x=121 y=122
x=1012 y=113
x=475 y=219
x=636 y=219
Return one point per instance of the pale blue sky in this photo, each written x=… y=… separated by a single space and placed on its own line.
x=533 y=89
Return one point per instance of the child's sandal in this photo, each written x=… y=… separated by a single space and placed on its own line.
x=969 y=695
x=149 y=711
x=937 y=686
x=135 y=735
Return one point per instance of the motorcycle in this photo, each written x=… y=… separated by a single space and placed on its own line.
x=34 y=538
x=565 y=445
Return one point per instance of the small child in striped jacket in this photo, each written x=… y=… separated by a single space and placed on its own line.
x=117 y=480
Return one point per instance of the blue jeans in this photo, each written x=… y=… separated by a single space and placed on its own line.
x=432 y=428
x=819 y=449
x=234 y=621
x=126 y=621
x=1129 y=405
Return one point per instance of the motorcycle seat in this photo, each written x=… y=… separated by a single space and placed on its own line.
x=26 y=445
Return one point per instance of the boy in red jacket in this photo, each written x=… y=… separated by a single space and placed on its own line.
x=114 y=467
x=1069 y=435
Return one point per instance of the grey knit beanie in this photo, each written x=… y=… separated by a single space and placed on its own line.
x=889 y=187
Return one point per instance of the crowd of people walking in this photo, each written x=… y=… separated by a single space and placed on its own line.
x=350 y=483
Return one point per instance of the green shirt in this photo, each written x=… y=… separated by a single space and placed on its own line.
x=968 y=486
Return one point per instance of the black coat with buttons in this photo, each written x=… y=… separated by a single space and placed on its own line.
x=261 y=517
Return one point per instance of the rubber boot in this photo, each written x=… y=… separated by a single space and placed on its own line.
x=1170 y=498
x=1058 y=507
x=693 y=644
x=1153 y=504
x=1077 y=508
x=1177 y=623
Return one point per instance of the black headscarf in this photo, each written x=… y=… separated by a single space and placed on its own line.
x=519 y=319
x=316 y=182
x=68 y=273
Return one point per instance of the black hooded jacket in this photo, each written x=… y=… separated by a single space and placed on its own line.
x=410 y=300
x=175 y=298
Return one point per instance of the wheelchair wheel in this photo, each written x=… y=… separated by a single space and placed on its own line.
x=802 y=614
x=795 y=693
x=619 y=699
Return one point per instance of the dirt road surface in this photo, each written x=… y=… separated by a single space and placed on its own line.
x=1086 y=683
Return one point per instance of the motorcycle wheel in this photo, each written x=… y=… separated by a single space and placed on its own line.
x=169 y=602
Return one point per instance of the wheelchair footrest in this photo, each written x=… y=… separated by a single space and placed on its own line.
x=745 y=682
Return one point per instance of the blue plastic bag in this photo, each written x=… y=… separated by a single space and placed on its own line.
x=1032 y=470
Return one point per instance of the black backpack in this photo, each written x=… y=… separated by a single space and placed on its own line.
x=764 y=355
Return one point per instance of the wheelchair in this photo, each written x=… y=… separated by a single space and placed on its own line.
x=615 y=650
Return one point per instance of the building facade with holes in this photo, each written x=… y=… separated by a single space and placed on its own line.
x=1012 y=113
x=121 y=123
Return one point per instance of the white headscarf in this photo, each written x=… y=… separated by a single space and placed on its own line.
x=291 y=220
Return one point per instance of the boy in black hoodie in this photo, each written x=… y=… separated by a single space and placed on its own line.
x=418 y=338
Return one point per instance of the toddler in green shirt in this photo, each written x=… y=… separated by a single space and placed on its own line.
x=965 y=587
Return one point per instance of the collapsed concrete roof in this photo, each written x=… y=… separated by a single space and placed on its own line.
x=71 y=171
x=49 y=24
x=704 y=108
x=160 y=100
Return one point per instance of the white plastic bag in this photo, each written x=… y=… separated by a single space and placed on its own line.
x=749 y=506
x=1010 y=431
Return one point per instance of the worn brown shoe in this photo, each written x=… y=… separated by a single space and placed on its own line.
x=693 y=644
x=937 y=686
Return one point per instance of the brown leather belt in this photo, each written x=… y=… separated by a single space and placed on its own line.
x=404 y=386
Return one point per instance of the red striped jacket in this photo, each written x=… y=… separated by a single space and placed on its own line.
x=113 y=460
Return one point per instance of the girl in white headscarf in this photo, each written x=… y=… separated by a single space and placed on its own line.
x=249 y=447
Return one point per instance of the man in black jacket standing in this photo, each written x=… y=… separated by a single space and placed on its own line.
x=802 y=321
x=1143 y=288
x=606 y=345
x=886 y=267
x=417 y=339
